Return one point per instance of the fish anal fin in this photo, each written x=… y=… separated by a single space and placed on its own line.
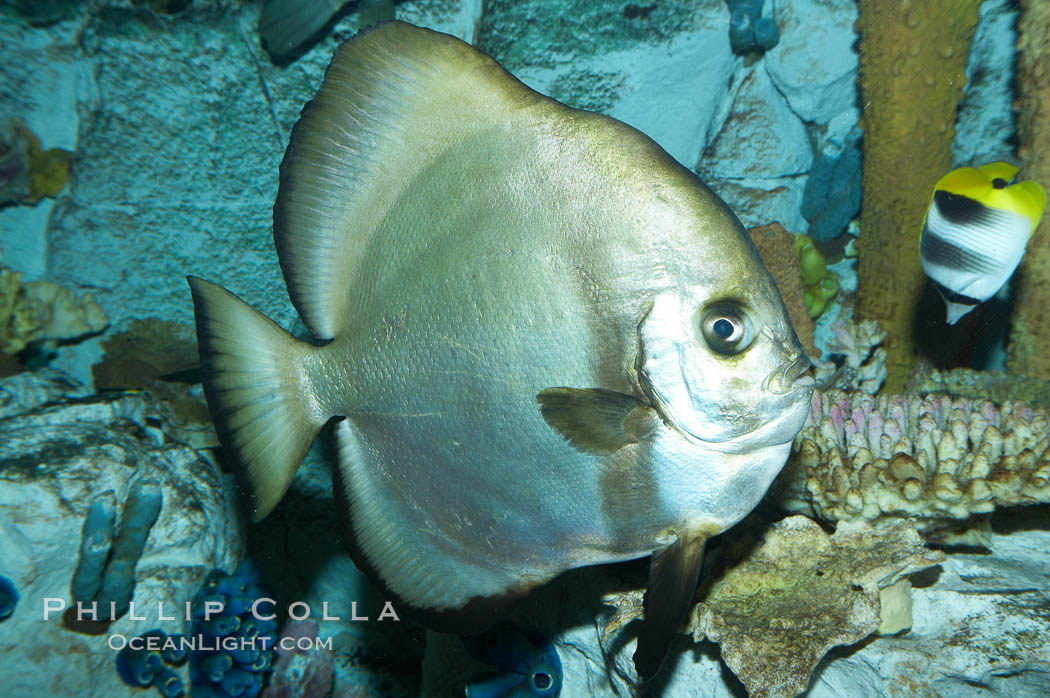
x=673 y=576
x=595 y=419
x=476 y=615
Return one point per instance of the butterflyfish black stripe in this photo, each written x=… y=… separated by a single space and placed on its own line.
x=936 y=250
x=962 y=210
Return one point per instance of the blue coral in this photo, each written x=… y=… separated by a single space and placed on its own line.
x=749 y=31
x=529 y=665
x=8 y=598
x=240 y=671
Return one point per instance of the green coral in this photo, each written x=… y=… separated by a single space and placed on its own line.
x=819 y=283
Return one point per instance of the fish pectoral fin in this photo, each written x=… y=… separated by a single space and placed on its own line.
x=673 y=575
x=598 y=420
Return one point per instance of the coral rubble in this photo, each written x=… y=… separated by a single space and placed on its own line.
x=799 y=593
x=912 y=67
x=929 y=460
x=40 y=311
x=28 y=173
x=1030 y=331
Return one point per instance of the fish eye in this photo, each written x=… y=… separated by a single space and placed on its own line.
x=726 y=329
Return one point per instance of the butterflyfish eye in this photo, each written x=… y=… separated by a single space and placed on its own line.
x=726 y=329
x=999 y=183
x=542 y=680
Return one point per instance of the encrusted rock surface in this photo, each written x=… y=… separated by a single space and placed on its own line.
x=54 y=461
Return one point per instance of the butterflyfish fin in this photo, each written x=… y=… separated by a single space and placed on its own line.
x=673 y=575
x=393 y=100
x=999 y=170
x=253 y=374
x=597 y=420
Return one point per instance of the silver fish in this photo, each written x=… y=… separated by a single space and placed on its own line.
x=551 y=344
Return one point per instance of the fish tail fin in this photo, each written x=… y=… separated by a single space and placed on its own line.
x=255 y=379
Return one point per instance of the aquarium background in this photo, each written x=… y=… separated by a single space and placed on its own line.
x=141 y=141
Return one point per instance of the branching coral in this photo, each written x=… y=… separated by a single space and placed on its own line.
x=911 y=53
x=863 y=359
x=1030 y=332
x=929 y=459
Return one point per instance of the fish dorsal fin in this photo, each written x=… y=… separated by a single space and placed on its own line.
x=393 y=100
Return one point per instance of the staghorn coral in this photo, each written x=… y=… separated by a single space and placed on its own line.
x=1030 y=331
x=911 y=53
x=776 y=247
x=799 y=593
x=930 y=459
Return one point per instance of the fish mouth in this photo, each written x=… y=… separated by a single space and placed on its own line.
x=796 y=374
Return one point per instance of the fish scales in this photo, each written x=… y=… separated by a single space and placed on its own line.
x=551 y=345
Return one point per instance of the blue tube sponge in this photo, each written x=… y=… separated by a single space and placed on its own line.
x=168 y=683
x=749 y=31
x=234 y=670
x=8 y=598
x=94 y=547
x=140 y=513
x=137 y=667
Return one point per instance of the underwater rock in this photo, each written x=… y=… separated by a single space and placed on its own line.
x=831 y=198
x=756 y=159
x=27 y=391
x=56 y=460
x=799 y=593
x=928 y=460
x=984 y=129
x=762 y=138
x=815 y=64
x=663 y=71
